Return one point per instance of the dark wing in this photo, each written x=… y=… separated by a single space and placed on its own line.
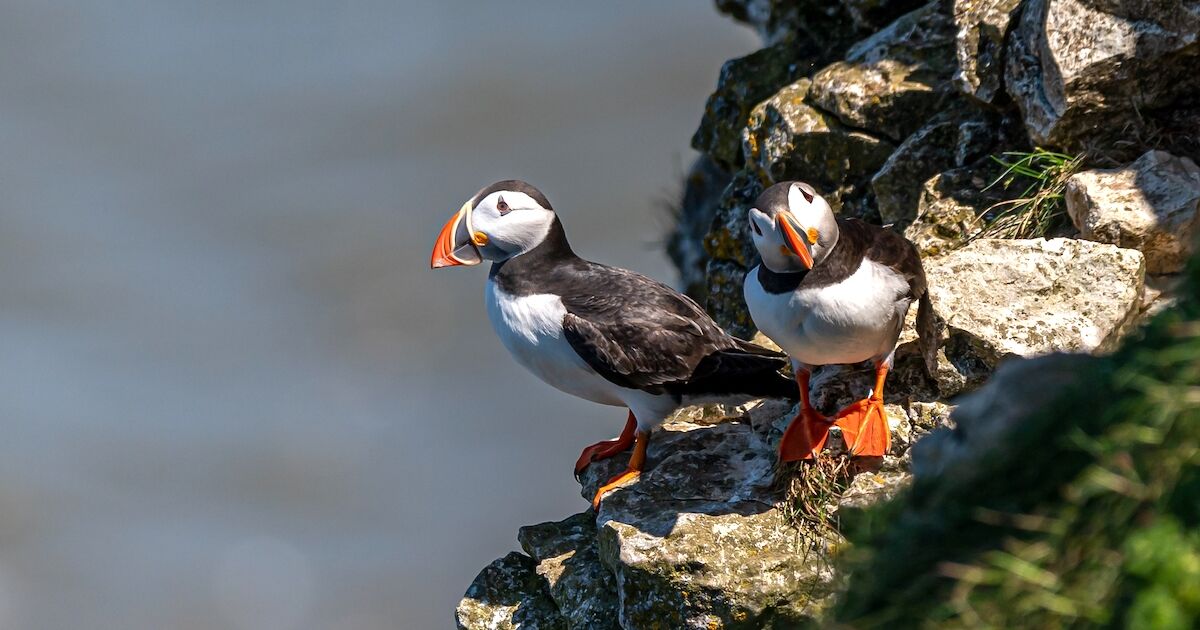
x=639 y=333
x=893 y=250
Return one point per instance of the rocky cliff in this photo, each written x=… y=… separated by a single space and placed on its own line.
x=1041 y=155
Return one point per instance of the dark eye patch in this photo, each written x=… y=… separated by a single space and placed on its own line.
x=502 y=206
x=757 y=230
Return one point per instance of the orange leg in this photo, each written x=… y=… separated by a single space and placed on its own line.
x=636 y=461
x=805 y=436
x=607 y=448
x=864 y=423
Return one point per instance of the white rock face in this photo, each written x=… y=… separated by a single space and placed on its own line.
x=1003 y=298
x=1150 y=205
x=1083 y=69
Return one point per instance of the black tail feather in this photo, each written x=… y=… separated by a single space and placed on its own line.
x=735 y=372
x=929 y=333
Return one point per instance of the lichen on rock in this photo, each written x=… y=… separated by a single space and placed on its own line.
x=787 y=138
x=893 y=81
x=508 y=595
x=743 y=83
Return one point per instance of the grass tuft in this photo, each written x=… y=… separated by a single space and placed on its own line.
x=811 y=492
x=1039 y=208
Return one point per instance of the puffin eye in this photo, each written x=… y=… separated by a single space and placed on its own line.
x=502 y=207
x=757 y=230
x=807 y=192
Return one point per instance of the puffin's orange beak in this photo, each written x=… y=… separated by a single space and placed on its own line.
x=454 y=244
x=795 y=242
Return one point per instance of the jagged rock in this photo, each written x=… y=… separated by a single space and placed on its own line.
x=1002 y=298
x=786 y=138
x=566 y=557
x=744 y=82
x=869 y=488
x=982 y=26
x=870 y=15
x=893 y=81
x=824 y=22
x=508 y=595
x=1149 y=205
x=685 y=245
x=725 y=302
x=1092 y=74
x=949 y=208
x=954 y=138
x=729 y=237
x=698 y=540
x=995 y=416
x=927 y=417
x=731 y=252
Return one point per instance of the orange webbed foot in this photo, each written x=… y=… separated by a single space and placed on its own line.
x=613 y=483
x=865 y=428
x=607 y=448
x=805 y=436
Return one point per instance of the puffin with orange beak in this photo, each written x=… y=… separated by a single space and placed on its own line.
x=831 y=290
x=604 y=334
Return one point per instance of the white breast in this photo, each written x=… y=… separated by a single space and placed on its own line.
x=530 y=327
x=854 y=320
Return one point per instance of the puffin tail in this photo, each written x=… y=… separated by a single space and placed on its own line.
x=743 y=372
x=929 y=333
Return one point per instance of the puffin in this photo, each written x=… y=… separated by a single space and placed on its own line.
x=600 y=333
x=833 y=290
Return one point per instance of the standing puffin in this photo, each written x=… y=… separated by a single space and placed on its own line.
x=601 y=333
x=833 y=290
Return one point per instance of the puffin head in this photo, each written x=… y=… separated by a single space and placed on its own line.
x=501 y=221
x=793 y=227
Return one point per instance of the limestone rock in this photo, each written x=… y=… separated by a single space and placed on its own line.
x=786 y=138
x=1092 y=74
x=697 y=541
x=893 y=81
x=1149 y=205
x=981 y=27
x=508 y=595
x=1002 y=298
x=949 y=207
x=745 y=82
x=581 y=587
x=952 y=139
x=685 y=244
x=870 y=488
x=927 y=417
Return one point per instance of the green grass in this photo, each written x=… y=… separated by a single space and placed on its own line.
x=1039 y=208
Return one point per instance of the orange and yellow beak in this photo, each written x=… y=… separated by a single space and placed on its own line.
x=456 y=243
x=795 y=242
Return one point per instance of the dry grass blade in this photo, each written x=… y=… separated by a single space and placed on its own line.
x=1039 y=208
x=811 y=494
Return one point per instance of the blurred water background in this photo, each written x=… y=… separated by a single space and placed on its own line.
x=233 y=394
